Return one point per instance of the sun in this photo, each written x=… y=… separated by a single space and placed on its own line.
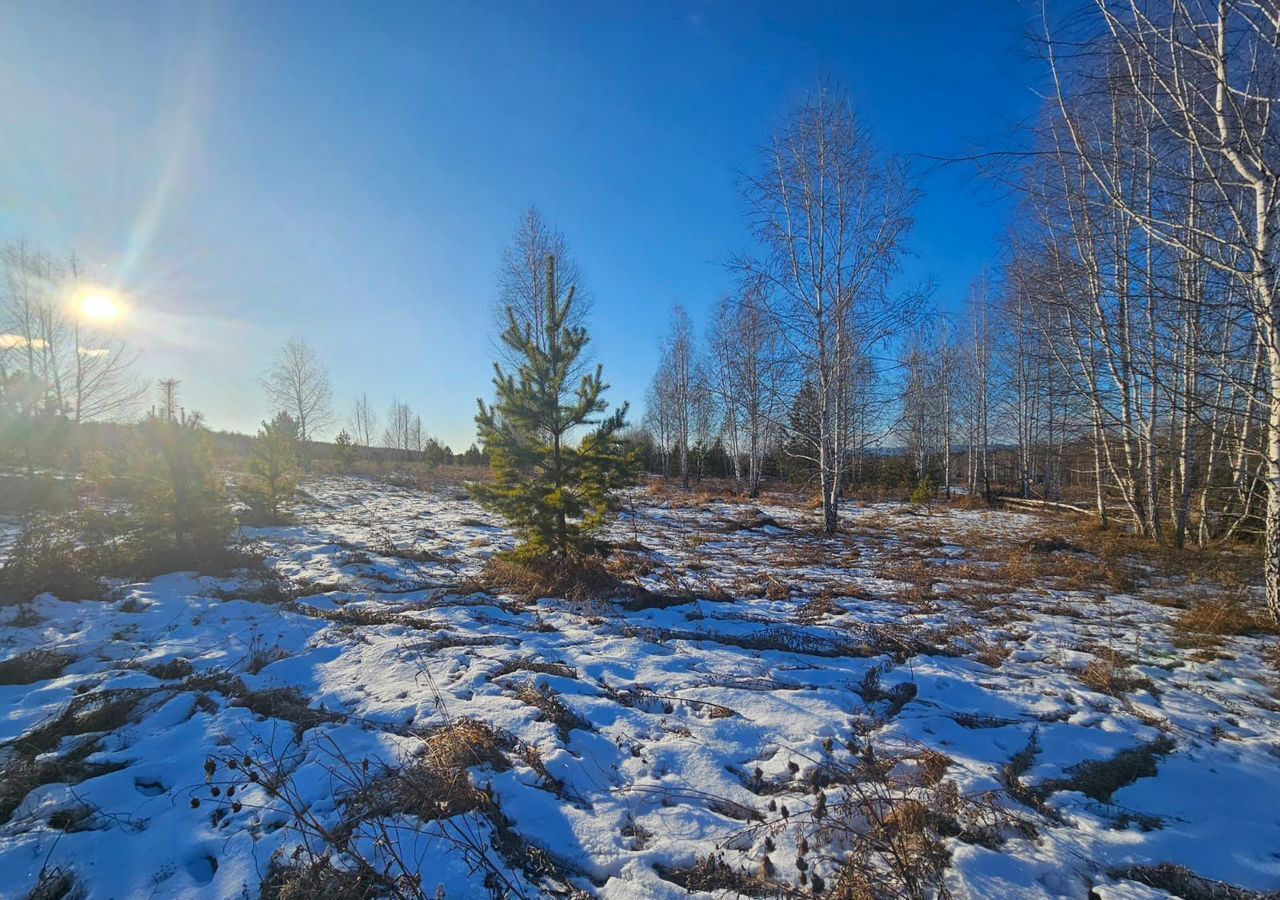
x=100 y=306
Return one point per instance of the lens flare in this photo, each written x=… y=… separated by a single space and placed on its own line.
x=100 y=306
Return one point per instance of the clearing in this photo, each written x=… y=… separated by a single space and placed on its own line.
x=959 y=698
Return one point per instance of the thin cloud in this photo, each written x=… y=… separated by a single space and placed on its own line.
x=17 y=341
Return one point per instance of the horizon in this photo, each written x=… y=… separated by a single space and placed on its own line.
x=244 y=177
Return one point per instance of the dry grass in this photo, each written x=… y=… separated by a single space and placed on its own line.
x=1100 y=779
x=466 y=743
x=317 y=879
x=990 y=653
x=33 y=666
x=1107 y=676
x=577 y=580
x=816 y=610
x=553 y=709
x=713 y=874
x=530 y=664
x=1179 y=881
x=288 y=703
x=30 y=761
x=1228 y=616
x=56 y=884
x=365 y=615
x=883 y=831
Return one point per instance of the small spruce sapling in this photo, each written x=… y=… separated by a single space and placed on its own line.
x=554 y=492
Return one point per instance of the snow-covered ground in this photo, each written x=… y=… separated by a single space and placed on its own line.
x=776 y=693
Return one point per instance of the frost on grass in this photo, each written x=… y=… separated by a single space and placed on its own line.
x=960 y=704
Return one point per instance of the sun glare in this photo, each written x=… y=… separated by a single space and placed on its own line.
x=100 y=306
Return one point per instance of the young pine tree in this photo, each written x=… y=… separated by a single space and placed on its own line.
x=554 y=493
x=178 y=497
x=344 y=448
x=273 y=468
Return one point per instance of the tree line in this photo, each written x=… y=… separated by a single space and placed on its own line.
x=1123 y=353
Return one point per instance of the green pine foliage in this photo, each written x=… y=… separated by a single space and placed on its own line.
x=178 y=498
x=554 y=492
x=344 y=448
x=923 y=493
x=271 y=480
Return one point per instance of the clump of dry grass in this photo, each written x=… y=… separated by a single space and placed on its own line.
x=1179 y=881
x=552 y=708
x=713 y=874
x=365 y=615
x=33 y=666
x=1100 y=779
x=1107 y=676
x=991 y=653
x=969 y=501
x=898 y=696
x=1226 y=616
x=465 y=743
x=817 y=609
x=530 y=664
x=886 y=827
x=172 y=669
x=317 y=878
x=30 y=761
x=288 y=703
x=579 y=580
x=56 y=883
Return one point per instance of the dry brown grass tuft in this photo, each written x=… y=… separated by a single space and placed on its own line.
x=316 y=879
x=530 y=664
x=1107 y=676
x=56 y=884
x=365 y=615
x=817 y=609
x=288 y=703
x=581 y=580
x=712 y=873
x=1099 y=779
x=1179 y=881
x=465 y=743
x=1227 y=616
x=969 y=501
x=552 y=708
x=888 y=826
x=991 y=653
x=33 y=666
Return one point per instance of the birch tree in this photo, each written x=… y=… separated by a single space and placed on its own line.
x=298 y=383
x=831 y=215
x=677 y=362
x=363 y=423
x=1207 y=76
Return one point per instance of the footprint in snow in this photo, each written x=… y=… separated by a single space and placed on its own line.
x=202 y=868
x=149 y=786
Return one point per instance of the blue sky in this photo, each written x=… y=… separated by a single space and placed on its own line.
x=349 y=172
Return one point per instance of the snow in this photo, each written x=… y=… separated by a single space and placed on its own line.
x=681 y=703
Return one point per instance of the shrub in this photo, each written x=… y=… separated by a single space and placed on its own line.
x=51 y=556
